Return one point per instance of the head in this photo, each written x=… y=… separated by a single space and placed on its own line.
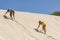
x=39 y=22
x=8 y=10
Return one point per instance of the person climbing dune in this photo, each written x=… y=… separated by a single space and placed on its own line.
x=43 y=26
x=12 y=14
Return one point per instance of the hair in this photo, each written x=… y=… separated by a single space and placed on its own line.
x=39 y=21
x=8 y=10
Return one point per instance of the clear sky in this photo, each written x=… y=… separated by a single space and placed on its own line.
x=35 y=6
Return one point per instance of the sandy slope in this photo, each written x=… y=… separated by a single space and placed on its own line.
x=24 y=27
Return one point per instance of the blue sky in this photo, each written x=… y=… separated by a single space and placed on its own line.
x=35 y=6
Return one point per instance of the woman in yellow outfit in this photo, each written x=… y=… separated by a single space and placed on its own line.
x=43 y=26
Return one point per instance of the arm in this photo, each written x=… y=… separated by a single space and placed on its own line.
x=38 y=26
x=5 y=13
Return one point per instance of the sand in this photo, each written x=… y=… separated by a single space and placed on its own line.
x=23 y=28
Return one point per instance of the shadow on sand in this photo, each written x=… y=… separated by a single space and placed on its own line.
x=5 y=17
x=38 y=30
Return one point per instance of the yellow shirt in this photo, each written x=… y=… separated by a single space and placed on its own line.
x=43 y=24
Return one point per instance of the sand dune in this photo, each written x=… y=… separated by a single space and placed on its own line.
x=23 y=28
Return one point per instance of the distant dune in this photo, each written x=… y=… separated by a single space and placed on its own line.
x=23 y=28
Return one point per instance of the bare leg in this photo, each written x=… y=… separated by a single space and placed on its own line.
x=38 y=26
x=11 y=16
x=44 y=29
x=14 y=15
